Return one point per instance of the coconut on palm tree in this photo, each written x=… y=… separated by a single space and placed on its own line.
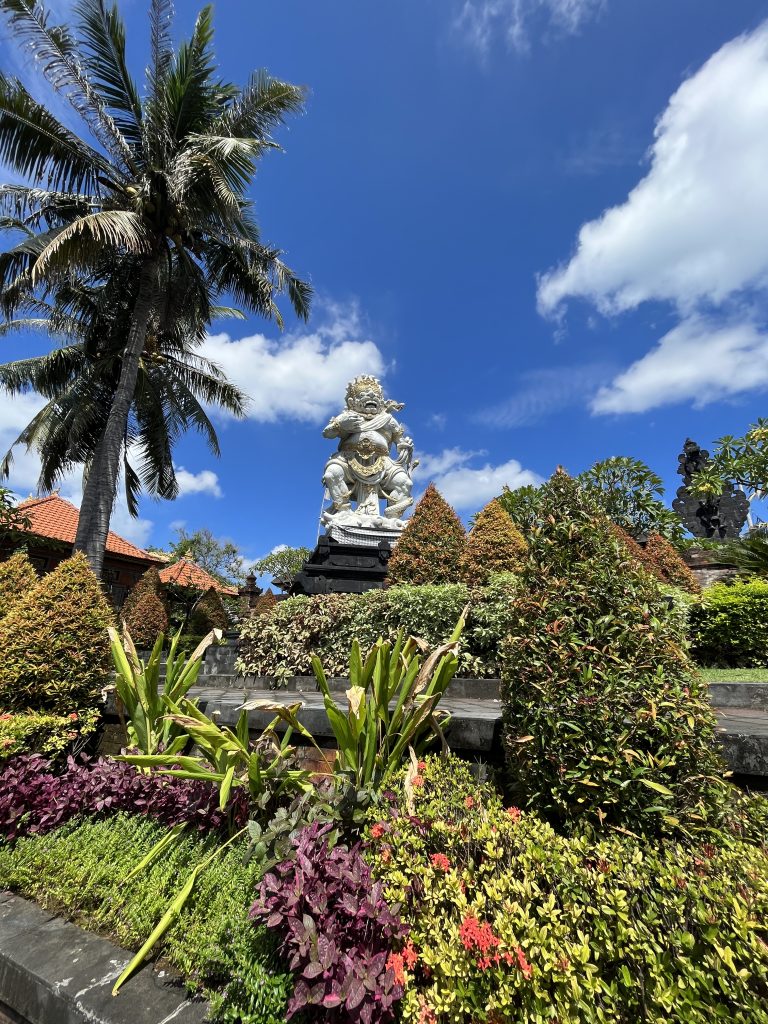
x=146 y=208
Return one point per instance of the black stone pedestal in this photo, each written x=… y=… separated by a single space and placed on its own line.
x=335 y=568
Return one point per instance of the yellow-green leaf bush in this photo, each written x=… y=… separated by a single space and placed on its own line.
x=17 y=578
x=729 y=627
x=209 y=613
x=54 y=643
x=50 y=735
x=494 y=544
x=605 y=719
x=282 y=641
x=431 y=548
x=511 y=921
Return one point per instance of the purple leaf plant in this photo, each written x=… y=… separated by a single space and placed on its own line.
x=336 y=931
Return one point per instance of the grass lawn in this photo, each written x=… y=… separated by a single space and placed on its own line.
x=735 y=675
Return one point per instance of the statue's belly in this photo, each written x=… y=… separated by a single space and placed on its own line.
x=366 y=441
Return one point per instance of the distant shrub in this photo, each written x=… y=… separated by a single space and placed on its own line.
x=145 y=611
x=494 y=545
x=283 y=641
x=729 y=627
x=671 y=566
x=209 y=613
x=51 y=735
x=55 y=650
x=511 y=921
x=17 y=578
x=431 y=548
x=265 y=603
x=606 y=721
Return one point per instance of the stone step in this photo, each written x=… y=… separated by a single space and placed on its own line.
x=739 y=695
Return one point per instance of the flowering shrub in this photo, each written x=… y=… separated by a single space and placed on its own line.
x=336 y=930
x=35 y=799
x=34 y=733
x=529 y=925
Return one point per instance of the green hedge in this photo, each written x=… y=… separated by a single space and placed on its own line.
x=729 y=627
x=79 y=869
x=283 y=641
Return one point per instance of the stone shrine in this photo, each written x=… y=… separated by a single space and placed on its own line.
x=720 y=517
x=352 y=555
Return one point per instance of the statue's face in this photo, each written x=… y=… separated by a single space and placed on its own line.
x=368 y=402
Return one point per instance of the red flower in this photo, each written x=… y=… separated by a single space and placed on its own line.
x=377 y=831
x=469 y=802
x=426 y=1013
x=475 y=935
x=73 y=717
x=440 y=861
x=5 y=717
x=417 y=781
x=410 y=956
x=395 y=964
x=421 y=766
x=522 y=963
x=514 y=813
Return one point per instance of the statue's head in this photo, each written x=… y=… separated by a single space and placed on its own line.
x=365 y=395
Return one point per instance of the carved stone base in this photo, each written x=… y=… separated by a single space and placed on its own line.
x=343 y=568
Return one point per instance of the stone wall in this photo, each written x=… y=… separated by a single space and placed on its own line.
x=708 y=566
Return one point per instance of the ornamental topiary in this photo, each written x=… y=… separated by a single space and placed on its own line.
x=145 y=612
x=431 y=547
x=729 y=626
x=671 y=566
x=17 y=578
x=265 y=603
x=209 y=613
x=606 y=721
x=494 y=544
x=54 y=643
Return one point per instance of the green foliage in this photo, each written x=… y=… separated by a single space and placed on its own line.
x=145 y=612
x=431 y=547
x=209 y=613
x=137 y=684
x=629 y=493
x=749 y=554
x=391 y=706
x=494 y=545
x=739 y=460
x=79 y=870
x=220 y=559
x=282 y=564
x=17 y=578
x=524 y=506
x=511 y=921
x=729 y=627
x=12 y=518
x=283 y=642
x=51 y=735
x=54 y=643
x=606 y=721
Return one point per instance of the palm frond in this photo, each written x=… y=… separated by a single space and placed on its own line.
x=55 y=52
x=103 y=42
x=261 y=107
x=78 y=243
x=750 y=554
x=37 y=146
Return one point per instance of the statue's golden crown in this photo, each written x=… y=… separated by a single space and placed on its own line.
x=364 y=383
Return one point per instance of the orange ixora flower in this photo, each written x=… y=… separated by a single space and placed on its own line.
x=73 y=717
x=440 y=861
x=515 y=813
x=421 y=766
x=417 y=781
x=410 y=956
x=377 y=830
x=395 y=964
x=5 y=717
x=469 y=802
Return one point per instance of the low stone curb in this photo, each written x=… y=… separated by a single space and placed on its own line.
x=52 y=972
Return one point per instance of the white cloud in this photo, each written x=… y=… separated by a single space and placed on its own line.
x=304 y=376
x=544 y=392
x=481 y=21
x=695 y=362
x=693 y=229
x=468 y=488
x=204 y=482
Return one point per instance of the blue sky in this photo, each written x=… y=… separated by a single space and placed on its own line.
x=542 y=222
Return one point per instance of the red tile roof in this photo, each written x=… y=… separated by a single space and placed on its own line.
x=187 y=574
x=57 y=519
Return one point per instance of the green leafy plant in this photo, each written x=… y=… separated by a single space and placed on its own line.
x=145 y=612
x=209 y=613
x=749 y=554
x=137 y=684
x=372 y=737
x=729 y=626
x=54 y=643
x=739 y=460
x=494 y=545
x=431 y=547
x=606 y=721
x=17 y=578
x=629 y=493
x=32 y=732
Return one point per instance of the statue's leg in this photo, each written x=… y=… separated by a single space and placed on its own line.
x=334 y=479
x=399 y=493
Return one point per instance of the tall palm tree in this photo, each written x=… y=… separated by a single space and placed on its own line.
x=154 y=194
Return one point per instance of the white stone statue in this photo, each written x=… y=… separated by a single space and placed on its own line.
x=362 y=470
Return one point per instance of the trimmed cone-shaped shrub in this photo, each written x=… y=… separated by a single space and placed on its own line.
x=606 y=721
x=209 y=613
x=494 y=544
x=54 y=643
x=17 y=578
x=431 y=547
x=265 y=603
x=671 y=565
x=145 y=612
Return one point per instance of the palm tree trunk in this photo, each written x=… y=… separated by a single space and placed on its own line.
x=101 y=482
